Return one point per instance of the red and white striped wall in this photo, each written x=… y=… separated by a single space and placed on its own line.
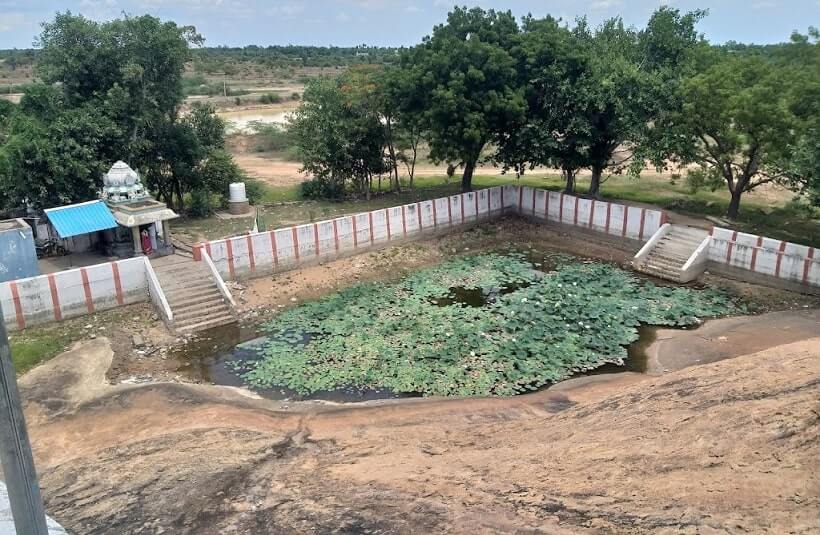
x=766 y=256
x=76 y=292
x=602 y=216
x=286 y=248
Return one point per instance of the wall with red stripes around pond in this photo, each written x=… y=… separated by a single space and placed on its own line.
x=291 y=247
x=76 y=292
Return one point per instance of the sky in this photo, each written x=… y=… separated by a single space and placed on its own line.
x=396 y=22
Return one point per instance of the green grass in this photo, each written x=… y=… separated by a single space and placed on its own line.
x=39 y=344
x=780 y=221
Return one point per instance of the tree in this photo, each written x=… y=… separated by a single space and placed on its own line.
x=737 y=124
x=113 y=90
x=467 y=77
x=339 y=138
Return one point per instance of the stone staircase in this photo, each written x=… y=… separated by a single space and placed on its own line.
x=196 y=302
x=666 y=254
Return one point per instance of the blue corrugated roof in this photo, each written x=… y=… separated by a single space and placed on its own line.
x=81 y=218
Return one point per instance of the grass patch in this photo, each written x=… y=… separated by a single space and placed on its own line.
x=36 y=345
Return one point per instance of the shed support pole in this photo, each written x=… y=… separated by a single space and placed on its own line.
x=15 y=451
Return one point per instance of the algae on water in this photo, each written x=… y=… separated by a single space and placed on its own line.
x=532 y=329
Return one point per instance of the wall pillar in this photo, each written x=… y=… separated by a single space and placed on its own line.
x=135 y=235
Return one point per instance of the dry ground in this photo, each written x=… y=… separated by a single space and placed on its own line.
x=729 y=447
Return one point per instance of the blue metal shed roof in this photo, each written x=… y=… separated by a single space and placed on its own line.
x=81 y=218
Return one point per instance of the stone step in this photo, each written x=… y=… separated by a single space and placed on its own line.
x=661 y=273
x=662 y=261
x=209 y=323
x=216 y=308
x=681 y=230
x=198 y=299
x=668 y=256
x=182 y=267
x=683 y=242
x=193 y=281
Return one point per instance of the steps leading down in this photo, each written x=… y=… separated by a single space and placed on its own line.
x=195 y=300
x=666 y=254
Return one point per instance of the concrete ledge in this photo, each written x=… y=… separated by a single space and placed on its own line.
x=745 y=275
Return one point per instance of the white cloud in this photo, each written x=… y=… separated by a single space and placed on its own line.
x=764 y=4
x=412 y=9
x=343 y=17
x=601 y=5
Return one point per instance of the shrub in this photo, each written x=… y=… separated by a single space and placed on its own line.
x=200 y=204
x=254 y=190
x=270 y=98
x=319 y=188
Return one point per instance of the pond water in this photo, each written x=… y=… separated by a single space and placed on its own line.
x=239 y=121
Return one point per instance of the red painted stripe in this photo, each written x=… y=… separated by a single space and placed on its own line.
x=754 y=252
x=89 y=301
x=489 y=204
x=55 y=297
x=475 y=198
x=533 y=202
x=807 y=265
x=450 y=210
x=370 y=215
x=295 y=239
x=18 y=306
x=626 y=217
x=198 y=252
x=251 y=259
x=502 y=197
x=520 y=198
x=435 y=215
x=387 y=218
x=608 y=215
x=575 y=222
x=273 y=248
x=208 y=249
x=462 y=203
x=355 y=233
x=336 y=235
x=316 y=238
x=643 y=221
x=591 y=213
x=560 y=207
x=664 y=218
x=729 y=249
x=115 y=270
x=403 y=221
x=780 y=252
x=229 y=247
x=418 y=214
x=546 y=205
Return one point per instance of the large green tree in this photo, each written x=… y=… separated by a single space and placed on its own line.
x=738 y=125
x=112 y=90
x=467 y=77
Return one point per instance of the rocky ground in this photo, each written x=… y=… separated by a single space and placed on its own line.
x=728 y=447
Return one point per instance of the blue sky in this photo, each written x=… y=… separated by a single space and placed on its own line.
x=395 y=22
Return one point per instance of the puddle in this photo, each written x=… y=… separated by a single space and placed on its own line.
x=638 y=359
x=474 y=297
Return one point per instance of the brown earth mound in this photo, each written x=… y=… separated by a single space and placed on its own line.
x=724 y=447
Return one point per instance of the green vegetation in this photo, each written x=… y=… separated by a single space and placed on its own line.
x=35 y=346
x=110 y=90
x=473 y=326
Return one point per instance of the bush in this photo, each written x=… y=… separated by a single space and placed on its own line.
x=319 y=188
x=295 y=96
x=254 y=190
x=200 y=204
x=270 y=98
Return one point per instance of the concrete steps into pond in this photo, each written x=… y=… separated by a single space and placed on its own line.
x=193 y=295
x=676 y=253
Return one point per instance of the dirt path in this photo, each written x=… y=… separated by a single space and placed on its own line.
x=724 y=447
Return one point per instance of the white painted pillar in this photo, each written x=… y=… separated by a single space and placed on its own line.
x=135 y=234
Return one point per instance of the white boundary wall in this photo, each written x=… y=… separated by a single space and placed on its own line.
x=765 y=256
x=287 y=248
x=72 y=293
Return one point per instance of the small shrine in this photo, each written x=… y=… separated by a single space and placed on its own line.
x=143 y=221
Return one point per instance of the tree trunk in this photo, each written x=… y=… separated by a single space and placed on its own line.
x=467 y=177
x=569 y=176
x=595 y=182
x=734 y=204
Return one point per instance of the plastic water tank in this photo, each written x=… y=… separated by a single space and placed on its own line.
x=237 y=192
